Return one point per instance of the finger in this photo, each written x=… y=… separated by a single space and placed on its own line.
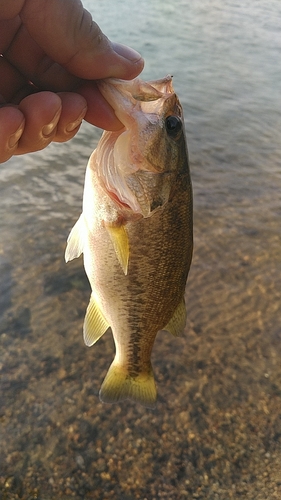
x=8 y=29
x=99 y=112
x=9 y=10
x=11 y=128
x=42 y=113
x=74 y=108
x=83 y=49
x=11 y=80
x=90 y=105
x=32 y=62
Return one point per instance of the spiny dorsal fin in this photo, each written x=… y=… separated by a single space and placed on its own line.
x=177 y=322
x=120 y=240
x=95 y=324
x=75 y=240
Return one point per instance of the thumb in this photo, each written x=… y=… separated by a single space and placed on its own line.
x=67 y=34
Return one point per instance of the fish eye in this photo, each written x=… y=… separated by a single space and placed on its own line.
x=173 y=125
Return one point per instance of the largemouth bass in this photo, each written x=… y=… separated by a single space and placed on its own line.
x=135 y=232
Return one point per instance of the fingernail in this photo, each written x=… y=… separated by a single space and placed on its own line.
x=126 y=52
x=14 y=138
x=73 y=125
x=48 y=129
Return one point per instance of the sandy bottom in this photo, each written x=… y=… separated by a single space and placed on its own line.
x=216 y=431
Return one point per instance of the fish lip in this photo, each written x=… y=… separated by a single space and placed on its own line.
x=135 y=93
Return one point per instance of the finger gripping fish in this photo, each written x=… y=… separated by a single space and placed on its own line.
x=135 y=232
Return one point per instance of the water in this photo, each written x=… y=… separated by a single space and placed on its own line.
x=216 y=429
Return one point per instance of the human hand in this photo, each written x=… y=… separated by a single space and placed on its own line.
x=51 y=54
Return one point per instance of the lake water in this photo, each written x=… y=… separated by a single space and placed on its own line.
x=216 y=432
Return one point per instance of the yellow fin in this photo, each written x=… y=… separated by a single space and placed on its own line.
x=120 y=240
x=95 y=325
x=75 y=240
x=119 y=385
x=177 y=322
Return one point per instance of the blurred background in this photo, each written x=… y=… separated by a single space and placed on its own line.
x=216 y=431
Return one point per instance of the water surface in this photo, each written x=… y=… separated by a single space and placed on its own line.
x=217 y=428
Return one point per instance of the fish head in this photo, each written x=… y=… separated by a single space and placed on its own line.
x=137 y=165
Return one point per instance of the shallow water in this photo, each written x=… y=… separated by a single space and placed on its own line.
x=216 y=432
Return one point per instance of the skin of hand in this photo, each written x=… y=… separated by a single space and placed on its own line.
x=51 y=53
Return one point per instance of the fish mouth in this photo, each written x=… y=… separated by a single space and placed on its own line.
x=136 y=97
x=132 y=162
x=137 y=89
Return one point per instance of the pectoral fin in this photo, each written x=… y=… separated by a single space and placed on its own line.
x=95 y=324
x=177 y=322
x=120 y=240
x=75 y=241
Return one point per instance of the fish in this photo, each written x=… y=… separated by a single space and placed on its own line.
x=135 y=232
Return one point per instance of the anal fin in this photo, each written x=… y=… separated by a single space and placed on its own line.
x=95 y=324
x=177 y=322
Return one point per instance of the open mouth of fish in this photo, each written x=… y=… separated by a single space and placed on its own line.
x=129 y=162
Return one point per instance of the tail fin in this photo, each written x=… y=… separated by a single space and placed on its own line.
x=119 y=385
